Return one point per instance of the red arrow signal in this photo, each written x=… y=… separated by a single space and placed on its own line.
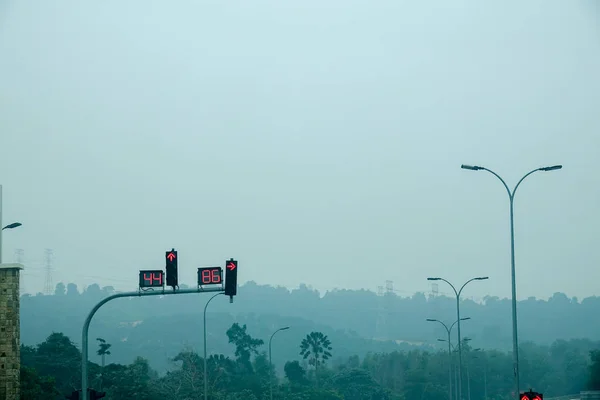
x=231 y=266
x=171 y=256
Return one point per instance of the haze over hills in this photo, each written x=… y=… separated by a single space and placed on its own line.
x=357 y=321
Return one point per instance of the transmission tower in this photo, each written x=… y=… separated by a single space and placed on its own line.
x=48 y=287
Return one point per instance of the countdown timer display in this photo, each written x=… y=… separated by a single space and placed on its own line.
x=210 y=276
x=151 y=278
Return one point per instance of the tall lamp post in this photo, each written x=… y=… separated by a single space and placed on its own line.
x=270 y=360
x=9 y=226
x=468 y=374
x=205 y=363
x=481 y=278
x=511 y=197
x=448 y=331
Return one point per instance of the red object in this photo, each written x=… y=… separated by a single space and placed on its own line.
x=210 y=276
x=171 y=256
x=153 y=278
x=231 y=266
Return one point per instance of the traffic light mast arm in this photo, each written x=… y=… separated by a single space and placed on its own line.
x=86 y=324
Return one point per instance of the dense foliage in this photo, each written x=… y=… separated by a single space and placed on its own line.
x=358 y=322
x=52 y=369
x=344 y=345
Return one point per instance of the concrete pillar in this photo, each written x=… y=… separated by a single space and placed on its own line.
x=10 y=332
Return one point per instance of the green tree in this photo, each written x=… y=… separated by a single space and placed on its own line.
x=58 y=357
x=316 y=347
x=245 y=345
x=294 y=373
x=60 y=289
x=103 y=351
x=34 y=387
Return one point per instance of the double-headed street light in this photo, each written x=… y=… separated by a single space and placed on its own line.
x=511 y=196
x=458 y=319
x=270 y=360
x=9 y=226
x=448 y=331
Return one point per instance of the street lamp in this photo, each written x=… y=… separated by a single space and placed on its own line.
x=205 y=363
x=9 y=226
x=270 y=360
x=511 y=196
x=458 y=319
x=469 y=375
x=448 y=330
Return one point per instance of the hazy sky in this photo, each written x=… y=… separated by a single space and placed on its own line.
x=314 y=141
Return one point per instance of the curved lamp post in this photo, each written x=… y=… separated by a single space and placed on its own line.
x=458 y=319
x=448 y=330
x=511 y=197
x=205 y=363
x=270 y=361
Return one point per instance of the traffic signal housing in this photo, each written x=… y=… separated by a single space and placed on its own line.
x=171 y=267
x=231 y=270
x=531 y=395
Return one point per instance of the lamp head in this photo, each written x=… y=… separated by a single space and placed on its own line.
x=471 y=167
x=552 y=168
x=12 y=226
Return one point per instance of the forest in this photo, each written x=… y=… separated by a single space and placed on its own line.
x=382 y=346
x=52 y=369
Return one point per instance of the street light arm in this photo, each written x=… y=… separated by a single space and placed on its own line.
x=523 y=178
x=271 y=338
x=466 y=283
x=443 y=324
x=206 y=305
x=502 y=180
x=454 y=323
x=451 y=285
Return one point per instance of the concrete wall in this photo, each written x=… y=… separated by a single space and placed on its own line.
x=10 y=335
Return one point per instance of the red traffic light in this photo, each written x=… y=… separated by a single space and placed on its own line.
x=171 y=256
x=531 y=396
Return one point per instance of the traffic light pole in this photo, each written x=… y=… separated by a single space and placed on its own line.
x=86 y=324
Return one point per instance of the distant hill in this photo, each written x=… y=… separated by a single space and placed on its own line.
x=357 y=322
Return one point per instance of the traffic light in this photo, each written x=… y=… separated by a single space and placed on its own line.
x=76 y=395
x=531 y=395
x=231 y=271
x=96 y=395
x=171 y=259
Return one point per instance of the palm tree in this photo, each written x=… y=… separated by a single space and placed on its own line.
x=316 y=347
x=103 y=351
